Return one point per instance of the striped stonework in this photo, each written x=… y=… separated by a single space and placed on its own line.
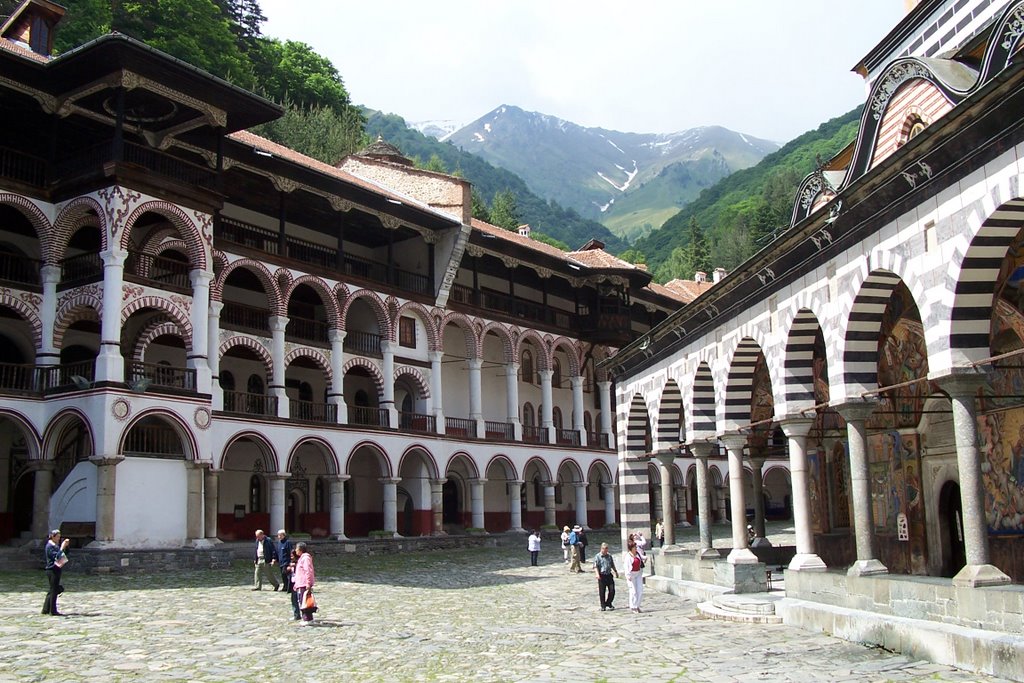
x=860 y=359
x=634 y=495
x=670 y=415
x=740 y=384
x=703 y=402
x=799 y=378
x=638 y=426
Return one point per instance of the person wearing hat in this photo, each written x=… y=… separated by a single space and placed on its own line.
x=55 y=561
x=565 y=544
x=574 y=548
x=581 y=541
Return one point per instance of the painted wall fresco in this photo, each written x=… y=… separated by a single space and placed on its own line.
x=762 y=405
x=894 y=468
x=902 y=357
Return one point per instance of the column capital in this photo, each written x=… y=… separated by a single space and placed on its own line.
x=200 y=277
x=579 y=484
x=757 y=461
x=393 y=481
x=703 y=449
x=50 y=274
x=337 y=477
x=40 y=465
x=511 y=369
x=857 y=410
x=278 y=323
x=516 y=482
x=479 y=481
x=962 y=384
x=545 y=374
x=108 y=460
x=114 y=257
x=279 y=476
x=198 y=464
x=475 y=363
x=734 y=441
x=666 y=458
x=215 y=307
x=435 y=356
x=336 y=336
x=439 y=482
x=388 y=346
x=576 y=381
x=796 y=427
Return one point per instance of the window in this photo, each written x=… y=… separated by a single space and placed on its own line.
x=227 y=381
x=556 y=374
x=538 y=492
x=526 y=367
x=407 y=332
x=254 y=385
x=912 y=127
x=556 y=417
x=255 y=493
x=321 y=494
x=528 y=415
x=588 y=422
x=558 y=492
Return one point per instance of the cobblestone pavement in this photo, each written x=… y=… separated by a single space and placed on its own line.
x=479 y=614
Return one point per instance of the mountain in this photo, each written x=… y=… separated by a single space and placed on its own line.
x=739 y=213
x=623 y=180
x=439 y=128
x=544 y=216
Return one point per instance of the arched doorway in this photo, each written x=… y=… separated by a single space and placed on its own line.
x=951 y=527
x=451 y=503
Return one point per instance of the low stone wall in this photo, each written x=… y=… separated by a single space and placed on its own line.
x=112 y=561
x=683 y=566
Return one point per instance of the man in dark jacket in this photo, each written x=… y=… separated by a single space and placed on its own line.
x=284 y=561
x=264 y=557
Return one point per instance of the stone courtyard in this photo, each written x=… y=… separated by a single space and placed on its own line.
x=474 y=614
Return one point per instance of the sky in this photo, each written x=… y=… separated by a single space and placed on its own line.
x=768 y=68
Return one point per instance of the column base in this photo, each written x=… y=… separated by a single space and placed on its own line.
x=760 y=542
x=203 y=543
x=517 y=530
x=709 y=554
x=742 y=556
x=978 y=575
x=806 y=563
x=338 y=537
x=866 y=568
x=741 y=578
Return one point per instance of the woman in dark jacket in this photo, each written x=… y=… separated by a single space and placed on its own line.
x=55 y=561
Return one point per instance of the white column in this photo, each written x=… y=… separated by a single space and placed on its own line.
x=195 y=506
x=609 y=503
x=512 y=399
x=278 y=323
x=546 y=420
x=581 y=503
x=437 y=505
x=476 y=411
x=337 y=503
x=757 y=481
x=277 y=502
x=978 y=571
x=390 y=495
x=109 y=362
x=805 y=559
x=734 y=444
x=106 y=490
x=198 y=355
x=336 y=394
x=387 y=349
x=577 y=408
x=47 y=353
x=436 y=389
x=605 y=393
x=549 y=504
x=213 y=353
x=515 y=505
x=476 y=493
x=42 y=489
x=668 y=515
x=701 y=452
x=211 y=494
x=860 y=490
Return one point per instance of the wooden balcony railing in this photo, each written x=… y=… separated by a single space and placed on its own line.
x=159 y=271
x=499 y=431
x=460 y=427
x=244 y=317
x=141 y=376
x=597 y=440
x=22 y=167
x=92 y=160
x=533 y=434
x=81 y=268
x=250 y=404
x=19 y=270
x=25 y=379
x=417 y=422
x=368 y=417
x=307 y=330
x=153 y=440
x=567 y=437
x=513 y=307
x=313 y=412
x=363 y=343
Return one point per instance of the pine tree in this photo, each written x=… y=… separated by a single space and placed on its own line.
x=504 y=211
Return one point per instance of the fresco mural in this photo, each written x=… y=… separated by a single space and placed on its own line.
x=762 y=406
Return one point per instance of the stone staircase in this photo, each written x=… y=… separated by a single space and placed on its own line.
x=748 y=608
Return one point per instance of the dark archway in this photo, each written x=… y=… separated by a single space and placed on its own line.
x=951 y=526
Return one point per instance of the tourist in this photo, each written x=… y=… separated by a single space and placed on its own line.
x=641 y=542
x=303 y=579
x=574 y=550
x=56 y=558
x=581 y=540
x=604 y=567
x=634 y=575
x=565 y=544
x=289 y=569
x=264 y=557
x=533 y=545
x=659 y=533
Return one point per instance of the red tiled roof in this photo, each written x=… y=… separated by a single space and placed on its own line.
x=516 y=238
x=687 y=290
x=21 y=50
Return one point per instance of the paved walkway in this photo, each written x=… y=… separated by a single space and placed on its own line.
x=467 y=615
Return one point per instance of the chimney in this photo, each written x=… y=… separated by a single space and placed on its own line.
x=524 y=230
x=719 y=274
x=641 y=266
x=700 y=276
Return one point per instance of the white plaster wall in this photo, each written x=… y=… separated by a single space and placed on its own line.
x=148 y=516
x=75 y=498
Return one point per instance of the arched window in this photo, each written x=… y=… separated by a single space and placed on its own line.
x=556 y=374
x=305 y=391
x=588 y=422
x=255 y=493
x=255 y=385
x=912 y=127
x=227 y=381
x=556 y=417
x=528 y=420
x=558 y=491
x=320 y=494
x=526 y=366
x=538 y=492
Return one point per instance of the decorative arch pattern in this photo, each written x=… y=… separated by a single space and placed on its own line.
x=84 y=303
x=262 y=273
x=571 y=352
x=463 y=456
x=421 y=312
x=542 y=467
x=416 y=377
x=637 y=425
x=266 y=449
x=186 y=229
x=379 y=309
x=27 y=208
x=798 y=365
x=165 y=306
x=325 y=448
x=739 y=385
x=860 y=355
x=316 y=356
x=27 y=312
x=248 y=342
x=150 y=333
x=321 y=288
x=374 y=371
x=670 y=412
x=704 y=423
x=504 y=336
x=425 y=455
x=503 y=460
x=188 y=439
x=473 y=343
x=543 y=359
x=73 y=216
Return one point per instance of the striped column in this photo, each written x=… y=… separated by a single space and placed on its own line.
x=634 y=499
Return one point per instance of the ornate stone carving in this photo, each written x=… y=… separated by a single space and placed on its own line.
x=202 y=418
x=897 y=76
x=339 y=204
x=286 y=185
x=121 y=409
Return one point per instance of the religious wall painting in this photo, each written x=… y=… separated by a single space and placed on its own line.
x=762 y=405
x=839 y=476
x=902 y=358
x=817 y=491
x=897 y=499
x=1001 y=442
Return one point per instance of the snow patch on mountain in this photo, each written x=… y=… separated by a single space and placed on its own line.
x=629 y=178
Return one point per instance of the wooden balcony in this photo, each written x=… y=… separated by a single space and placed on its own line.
x=36 y=380
x=460 y=427
x=243 y=403
x=19 y=270
x=310 y=411
x=417 y=422
x=533 y=434
x=363 y=343
x=158 y=271
x=236 y=316
x=362 y=416
x=80 y=269
x=567 y=437
x=499 y=431
x=141 y=377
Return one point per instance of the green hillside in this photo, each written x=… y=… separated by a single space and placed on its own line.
x=545 y=217
x=741 y=212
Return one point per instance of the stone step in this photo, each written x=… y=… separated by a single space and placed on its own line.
x=709 y=610
x=744 y=604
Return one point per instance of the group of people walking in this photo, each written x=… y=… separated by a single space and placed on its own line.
x=574 y=544
x=297 y=575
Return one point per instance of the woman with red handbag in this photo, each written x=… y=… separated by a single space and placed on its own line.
x=302 y=583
